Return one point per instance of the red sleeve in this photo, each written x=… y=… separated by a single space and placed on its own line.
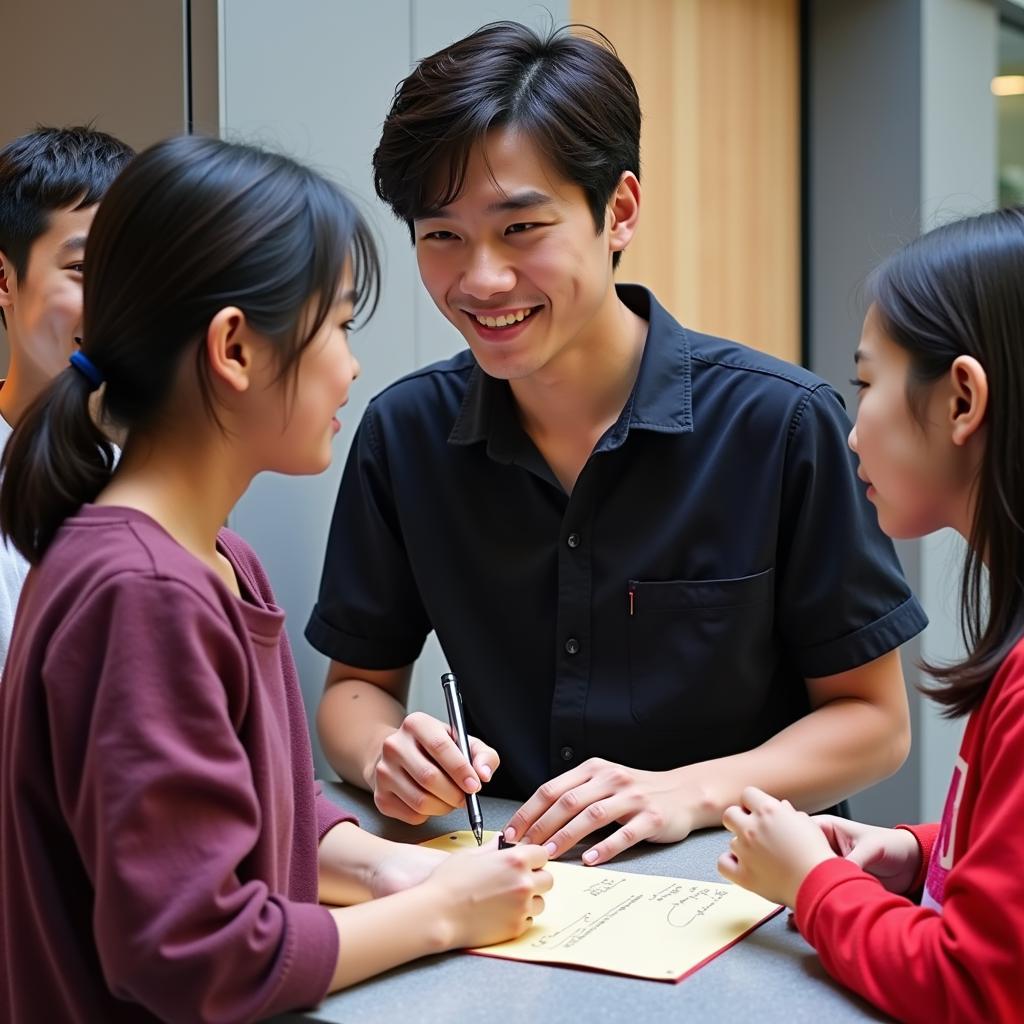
x=925 y=836
x=158 y=791
x=967 y=962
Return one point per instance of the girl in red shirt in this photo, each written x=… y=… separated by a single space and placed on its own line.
x=927 y=921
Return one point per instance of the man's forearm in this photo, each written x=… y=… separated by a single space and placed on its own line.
x=836 y=750
x=353 y=720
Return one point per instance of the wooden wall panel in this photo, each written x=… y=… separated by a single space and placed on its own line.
x=719 y=85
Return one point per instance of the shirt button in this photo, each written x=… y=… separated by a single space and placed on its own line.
x=567 y=753
x=572 y=645
x=573 y=540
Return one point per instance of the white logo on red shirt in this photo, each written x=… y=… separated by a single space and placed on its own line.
x=945 y=842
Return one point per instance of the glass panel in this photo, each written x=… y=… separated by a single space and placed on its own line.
x=1009 y=89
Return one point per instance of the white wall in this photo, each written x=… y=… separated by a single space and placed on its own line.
x=318 y=83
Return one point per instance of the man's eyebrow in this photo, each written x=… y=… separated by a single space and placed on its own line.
x=518 y=201
x=72 y=244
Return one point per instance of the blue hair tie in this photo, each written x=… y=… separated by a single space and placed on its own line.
x=85 y=366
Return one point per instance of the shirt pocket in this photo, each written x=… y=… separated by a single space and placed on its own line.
x=699 y=648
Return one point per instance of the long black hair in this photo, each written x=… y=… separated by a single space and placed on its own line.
x=959 y=290
x=192 y=225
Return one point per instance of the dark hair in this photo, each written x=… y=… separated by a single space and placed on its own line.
x=571 y=95
x=958 y=291
x=192 y=225
x=51 y=169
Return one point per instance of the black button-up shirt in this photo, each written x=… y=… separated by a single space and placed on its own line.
x=716 y=550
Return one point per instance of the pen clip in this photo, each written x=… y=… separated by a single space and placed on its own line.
x=456 y=719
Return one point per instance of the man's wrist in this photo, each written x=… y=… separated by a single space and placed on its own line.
x=368 y=773
x=376 y=750
x=698 y=796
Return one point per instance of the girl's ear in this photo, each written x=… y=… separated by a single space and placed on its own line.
x=6 y=280
x=229 y=349
x=624 y=211
x=968 y=401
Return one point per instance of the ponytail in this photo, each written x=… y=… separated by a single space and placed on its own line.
x=191 y=226
x=56 y=460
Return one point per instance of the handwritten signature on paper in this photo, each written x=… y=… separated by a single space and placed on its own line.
x=697 y=902
x=685 y=905
x=603 y=885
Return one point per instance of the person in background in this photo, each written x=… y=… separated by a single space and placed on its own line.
x=51 y=181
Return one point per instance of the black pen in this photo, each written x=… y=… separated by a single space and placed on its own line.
x=453 y=699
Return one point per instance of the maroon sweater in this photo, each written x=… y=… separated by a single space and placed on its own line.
x=159 y=820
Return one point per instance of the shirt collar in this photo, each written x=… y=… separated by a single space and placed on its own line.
x=660 y=400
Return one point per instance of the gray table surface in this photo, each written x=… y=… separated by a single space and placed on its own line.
x=772 y=975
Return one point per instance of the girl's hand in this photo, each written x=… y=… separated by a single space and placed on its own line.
x=407 y=866
x=892 y=855
x=490 y=895
x=773 y=848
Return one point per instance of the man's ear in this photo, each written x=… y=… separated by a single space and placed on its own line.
x=229 y=349
x=968 y=401
x=8 y=281
x=624 y=211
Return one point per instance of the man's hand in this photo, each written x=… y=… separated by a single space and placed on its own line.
x=422 y=773
x=648 y=805
x=773 y=848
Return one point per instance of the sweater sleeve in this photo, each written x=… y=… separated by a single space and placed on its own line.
x=965 y=963
x=157 y=789
x=329 y=814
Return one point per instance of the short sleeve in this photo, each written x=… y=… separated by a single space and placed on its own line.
x=843 y=600
x=368 y=612
x=159 y=796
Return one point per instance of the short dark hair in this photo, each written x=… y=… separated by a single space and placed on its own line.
x=569 y=93
x=957 y=291
x=47 y=170
x=192 y=225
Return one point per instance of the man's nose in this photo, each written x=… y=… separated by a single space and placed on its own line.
x=487 y=274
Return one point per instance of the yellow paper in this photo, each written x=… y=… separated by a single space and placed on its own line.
x=649 y=926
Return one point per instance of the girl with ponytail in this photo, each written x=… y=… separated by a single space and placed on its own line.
x=163 y=846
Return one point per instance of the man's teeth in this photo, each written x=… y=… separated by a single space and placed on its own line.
x=504 y=321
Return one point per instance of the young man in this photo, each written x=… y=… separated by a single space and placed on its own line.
x=645 y=551
x=51 y=181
